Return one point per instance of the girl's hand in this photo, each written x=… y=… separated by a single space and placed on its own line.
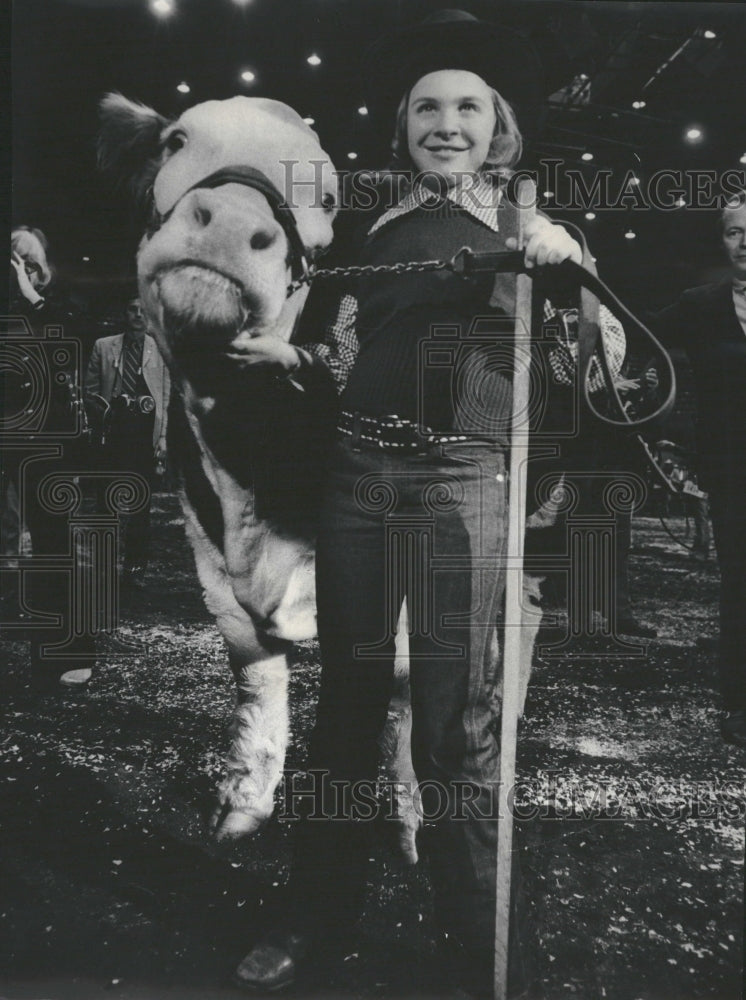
x=24 y=282
x=547 y=243
x=266 y=352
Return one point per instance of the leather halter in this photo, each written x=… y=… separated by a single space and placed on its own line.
x=253 y=178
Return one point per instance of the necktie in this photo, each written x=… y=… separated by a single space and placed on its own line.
x=132 y=362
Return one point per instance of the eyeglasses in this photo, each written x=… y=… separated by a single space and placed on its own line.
x=30 y=267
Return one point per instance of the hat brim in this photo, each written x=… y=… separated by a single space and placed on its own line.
x=503 y=58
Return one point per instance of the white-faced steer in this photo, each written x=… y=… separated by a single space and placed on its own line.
x=241 y=196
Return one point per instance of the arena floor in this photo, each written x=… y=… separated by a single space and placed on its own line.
x=632 y=850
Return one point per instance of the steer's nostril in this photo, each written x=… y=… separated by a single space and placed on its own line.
x=262 y=239
x=202 y=215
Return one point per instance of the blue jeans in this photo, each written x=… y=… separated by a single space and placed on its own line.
x=431 y=528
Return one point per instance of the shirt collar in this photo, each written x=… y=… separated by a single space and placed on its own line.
x=739 y=286
x=480 y=200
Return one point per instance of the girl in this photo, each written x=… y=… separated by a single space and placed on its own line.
x=416 y=501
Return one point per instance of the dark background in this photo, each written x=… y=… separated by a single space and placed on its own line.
x=67 y=53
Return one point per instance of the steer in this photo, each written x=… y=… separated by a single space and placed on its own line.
x=241 y=198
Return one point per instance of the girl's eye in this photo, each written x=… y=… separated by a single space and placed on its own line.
x=469 y=106
x=175 y=141
x=427 y=106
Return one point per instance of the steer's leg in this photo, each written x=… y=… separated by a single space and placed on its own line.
x=531 y=615
x=259 y=738
x=396 y=744
x=259 y=728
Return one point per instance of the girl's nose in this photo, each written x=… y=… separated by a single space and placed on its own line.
x=447 y=124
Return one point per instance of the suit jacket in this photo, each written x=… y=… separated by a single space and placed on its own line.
x=104 y=375
x=704 y=324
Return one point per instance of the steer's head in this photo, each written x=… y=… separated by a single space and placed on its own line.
x=215 y=263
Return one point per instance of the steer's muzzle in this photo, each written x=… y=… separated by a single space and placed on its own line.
x=216 y=267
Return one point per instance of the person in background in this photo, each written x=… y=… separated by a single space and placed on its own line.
x=36 y=301
x=129 y=380
x=709 y=324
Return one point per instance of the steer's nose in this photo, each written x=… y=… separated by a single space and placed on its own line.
x=206 y=210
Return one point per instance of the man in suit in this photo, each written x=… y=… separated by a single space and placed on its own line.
x=127 y=374
x=709 y=323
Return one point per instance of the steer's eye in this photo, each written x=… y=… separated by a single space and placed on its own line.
x=328 y=202
x=174 y=142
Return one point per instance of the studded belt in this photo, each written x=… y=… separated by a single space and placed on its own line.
x=391 y=432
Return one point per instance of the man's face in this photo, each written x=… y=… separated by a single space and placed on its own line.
x=734 y=239
x=135 y=318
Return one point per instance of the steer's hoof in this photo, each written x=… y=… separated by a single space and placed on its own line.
x=408 y=846
x=230 y=824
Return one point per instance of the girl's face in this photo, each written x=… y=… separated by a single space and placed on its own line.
x=450 y=123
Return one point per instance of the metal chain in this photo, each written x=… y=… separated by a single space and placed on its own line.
x=361 y=270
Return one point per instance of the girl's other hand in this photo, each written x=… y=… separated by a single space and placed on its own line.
x=547 y=243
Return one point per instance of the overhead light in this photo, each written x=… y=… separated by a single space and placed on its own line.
x=587 y=157
x=630 y=234
x=313 y=60
x=590 y=216
x=86 y=260
x=680 y=202
x=362 y=110
x=162 y=7
x=310 y=121
x=183 y=87
x=352 y=156
x=742 y=159
x=247 y=76
x=634 y=180
x=547 y=194
x=693 y=134
x=710 y=34
x=638 y=105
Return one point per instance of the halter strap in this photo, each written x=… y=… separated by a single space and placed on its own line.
x=253 y=178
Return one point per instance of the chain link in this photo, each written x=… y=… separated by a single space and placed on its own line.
x=361 y=270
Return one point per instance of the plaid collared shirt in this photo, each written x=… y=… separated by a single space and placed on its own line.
x=480 y=199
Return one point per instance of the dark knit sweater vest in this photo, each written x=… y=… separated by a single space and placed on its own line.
x=431 y=347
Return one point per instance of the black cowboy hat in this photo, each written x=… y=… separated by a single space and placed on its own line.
x=455 y=39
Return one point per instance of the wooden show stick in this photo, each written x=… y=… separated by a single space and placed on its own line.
x=513 y=594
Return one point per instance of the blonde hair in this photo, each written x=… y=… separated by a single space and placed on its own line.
x=505 y=149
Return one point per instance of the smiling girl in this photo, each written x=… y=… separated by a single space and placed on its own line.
x=416 y=502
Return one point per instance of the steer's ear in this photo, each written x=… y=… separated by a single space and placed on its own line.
x=128 y=142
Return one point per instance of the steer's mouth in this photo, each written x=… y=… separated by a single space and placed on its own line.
x=202 y=306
